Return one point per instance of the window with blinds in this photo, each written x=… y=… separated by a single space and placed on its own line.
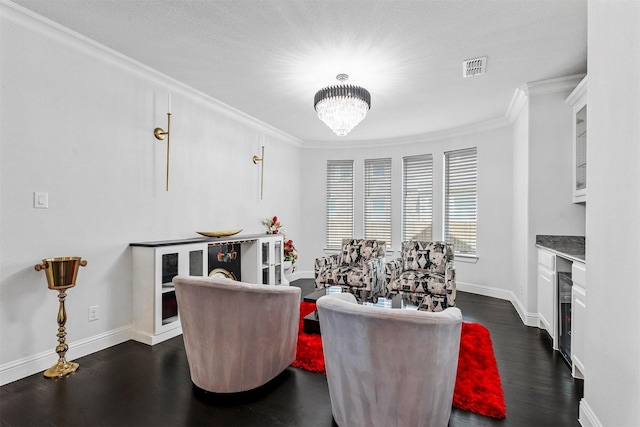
x=417 y=198
x=377 y=200
x=461 y=199
x=339 y=202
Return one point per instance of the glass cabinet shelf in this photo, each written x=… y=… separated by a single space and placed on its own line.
x=578 y=100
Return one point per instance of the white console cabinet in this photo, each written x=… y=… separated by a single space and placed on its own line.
x=155 y=309
x=155 y=264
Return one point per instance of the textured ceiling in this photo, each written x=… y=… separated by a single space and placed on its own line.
x=268 y=58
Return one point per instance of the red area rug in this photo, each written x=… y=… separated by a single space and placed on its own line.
x=478 y=388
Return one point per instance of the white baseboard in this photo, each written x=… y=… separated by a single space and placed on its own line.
x=155 y=339
x=529 y=319
x=26 y=366
x=586 y=417
x=486 y=291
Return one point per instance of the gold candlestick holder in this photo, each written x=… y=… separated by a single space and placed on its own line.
x=61 y=275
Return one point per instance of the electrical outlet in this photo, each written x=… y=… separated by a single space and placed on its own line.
x=93 y=313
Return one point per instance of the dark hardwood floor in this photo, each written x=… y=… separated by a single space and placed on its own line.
x=133 y=384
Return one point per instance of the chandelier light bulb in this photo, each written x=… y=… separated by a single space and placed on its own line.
x=342 y=106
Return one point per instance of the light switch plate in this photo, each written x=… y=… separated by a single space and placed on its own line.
x=40 y=200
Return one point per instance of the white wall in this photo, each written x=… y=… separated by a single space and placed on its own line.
x=612 y=353
x=77 y=122
x=494 y=199
x=550 y=175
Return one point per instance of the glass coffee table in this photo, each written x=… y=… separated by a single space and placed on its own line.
x=311 y=324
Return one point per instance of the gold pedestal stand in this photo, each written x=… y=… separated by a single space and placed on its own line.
x=61 y=275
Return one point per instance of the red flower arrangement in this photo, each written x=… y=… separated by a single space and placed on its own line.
x=290 y=252
x=273 y=225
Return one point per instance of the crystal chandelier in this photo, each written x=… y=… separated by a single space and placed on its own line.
x=342 y=106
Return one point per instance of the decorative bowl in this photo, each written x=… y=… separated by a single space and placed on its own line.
x=223 y=233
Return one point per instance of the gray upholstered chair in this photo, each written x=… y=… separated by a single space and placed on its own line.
x=359 y=265
x=389 y=367
x=425 y=274
x=237 y=336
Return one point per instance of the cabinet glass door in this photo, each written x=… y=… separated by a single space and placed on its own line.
x=169 y=268
x=265 y=263
x=278 y=274
x=278 y=251
x=169 y=303
x=564 y=314
x=277 y=246
x=196 y=258
x=581 y=149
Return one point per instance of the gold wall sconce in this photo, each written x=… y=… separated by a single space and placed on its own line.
x=61 y=275
x=257 y=159
x=160 y=135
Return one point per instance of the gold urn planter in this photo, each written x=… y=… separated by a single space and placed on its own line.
x=61 y=275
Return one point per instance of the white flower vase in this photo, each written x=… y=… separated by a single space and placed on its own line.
x=288 y=269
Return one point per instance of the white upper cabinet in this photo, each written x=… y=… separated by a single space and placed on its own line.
x=578 y=99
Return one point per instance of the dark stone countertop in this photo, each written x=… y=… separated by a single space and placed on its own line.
x=571 y=247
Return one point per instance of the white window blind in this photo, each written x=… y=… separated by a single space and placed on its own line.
x=339 y=202
x=417 y=198
x=461 y=201
x=377 y=200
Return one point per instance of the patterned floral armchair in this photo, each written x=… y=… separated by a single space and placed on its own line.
x=360 y=265
x=425 y=273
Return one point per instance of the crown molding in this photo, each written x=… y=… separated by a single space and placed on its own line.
x=557 y=85
x=460 y=131
x=30 y=21
x=578 y=92
x=518 y=101
x=541 y=87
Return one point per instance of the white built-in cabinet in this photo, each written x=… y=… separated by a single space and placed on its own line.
x=271 y=260
x=547 y=293
x=156 y=317
x=550 y=266
x=578 y=314
x=578 y=100
x=262 y=257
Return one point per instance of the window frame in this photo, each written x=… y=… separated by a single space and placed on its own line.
x=460 y=188
x=417 y=173
x=377 y=202
x=340 y=204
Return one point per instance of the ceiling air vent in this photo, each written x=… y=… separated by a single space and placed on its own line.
x=474 y=67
